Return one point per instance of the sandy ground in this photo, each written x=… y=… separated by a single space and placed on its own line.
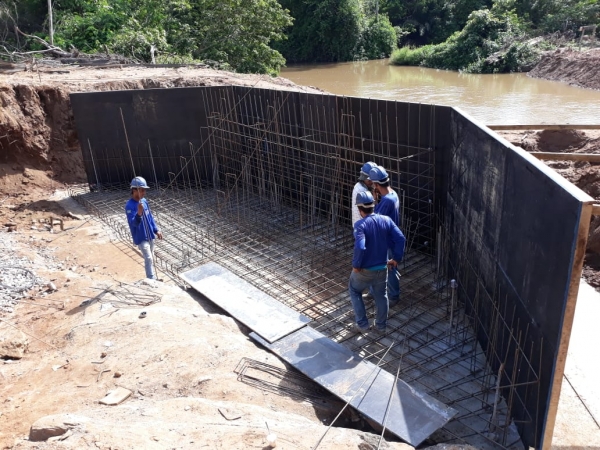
x=80 y=78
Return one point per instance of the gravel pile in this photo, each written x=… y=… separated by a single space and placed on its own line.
x=16 y=277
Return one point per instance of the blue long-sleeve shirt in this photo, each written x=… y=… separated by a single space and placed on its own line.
x=389 y=205
x=143 y=228
x=373 y=236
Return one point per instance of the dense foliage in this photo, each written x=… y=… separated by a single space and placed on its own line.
x=336 y=30
x=499 y=38
x=256 y=35
x=235 y=33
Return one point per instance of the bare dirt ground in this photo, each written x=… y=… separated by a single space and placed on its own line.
x=578 y=68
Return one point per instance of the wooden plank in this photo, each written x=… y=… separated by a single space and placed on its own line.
x=595 y=210
x=551 y=156
x=565 y=126
x=561 y=357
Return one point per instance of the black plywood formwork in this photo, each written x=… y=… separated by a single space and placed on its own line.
x=514 y=227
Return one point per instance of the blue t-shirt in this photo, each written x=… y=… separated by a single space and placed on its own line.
x=389 y=205
x=373 y=236
x=143 y=228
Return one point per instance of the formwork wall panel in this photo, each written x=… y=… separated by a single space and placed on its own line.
x=514 y=231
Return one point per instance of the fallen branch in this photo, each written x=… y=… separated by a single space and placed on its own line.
x=51 y=48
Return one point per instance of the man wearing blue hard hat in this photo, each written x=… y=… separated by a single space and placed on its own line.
x=375 y=235
x=389 y=205
x=362 y=185
x=141 y=224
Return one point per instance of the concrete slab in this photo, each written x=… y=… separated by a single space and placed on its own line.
x=412 y=415
x=259 y=311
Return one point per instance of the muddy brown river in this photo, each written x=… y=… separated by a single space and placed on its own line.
x=493 y=99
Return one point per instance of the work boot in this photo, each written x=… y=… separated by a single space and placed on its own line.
x=379 y=332
x=356 y=329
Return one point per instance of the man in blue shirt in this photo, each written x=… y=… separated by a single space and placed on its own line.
x=141 y=224
x=389 y=205
x=374 y=236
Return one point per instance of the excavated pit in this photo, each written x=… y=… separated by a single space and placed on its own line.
x=259 y=182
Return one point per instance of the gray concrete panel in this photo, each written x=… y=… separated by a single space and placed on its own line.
x=255 y=309
x=412 y=415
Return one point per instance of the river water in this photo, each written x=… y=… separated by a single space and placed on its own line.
x=505 y=99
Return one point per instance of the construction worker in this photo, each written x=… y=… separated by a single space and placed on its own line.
x=389 y=205
x=374 y=236
x=141 y=224
x=363 y=184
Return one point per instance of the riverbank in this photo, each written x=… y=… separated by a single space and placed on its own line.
x=577 y=68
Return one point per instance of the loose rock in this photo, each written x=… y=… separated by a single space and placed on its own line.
x=13 y=343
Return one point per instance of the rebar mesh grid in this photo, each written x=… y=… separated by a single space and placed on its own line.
x=307 y=268
x=281 y=381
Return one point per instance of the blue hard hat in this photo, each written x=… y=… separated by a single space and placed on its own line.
x=139 y=182
x=366 y=168
x=364 y=198
x=378 y=175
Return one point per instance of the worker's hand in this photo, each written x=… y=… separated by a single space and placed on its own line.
x=140 y=209
x=354 y=269
x=392 y=263
x=159 y=235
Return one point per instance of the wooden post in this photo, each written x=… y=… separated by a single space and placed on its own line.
x=552 y=156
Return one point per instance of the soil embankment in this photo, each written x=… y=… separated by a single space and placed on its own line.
x=577 y=68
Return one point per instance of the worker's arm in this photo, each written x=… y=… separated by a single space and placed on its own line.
x=152 y=222
x=134 y=217
x=359 y=248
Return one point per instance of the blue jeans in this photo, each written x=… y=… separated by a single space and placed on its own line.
x=147 y=249
x=376 y=280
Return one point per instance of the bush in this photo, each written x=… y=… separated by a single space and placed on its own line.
x=410 y=56
x=379 y=37
x=492 y=41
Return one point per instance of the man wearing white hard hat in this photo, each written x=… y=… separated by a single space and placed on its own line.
x=141 y=224
x=374 y=236
x=362 y=185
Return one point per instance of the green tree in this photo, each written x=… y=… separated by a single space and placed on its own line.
x=235 y=33
x=493 y=40
x=378 y=37
x=323 y=30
